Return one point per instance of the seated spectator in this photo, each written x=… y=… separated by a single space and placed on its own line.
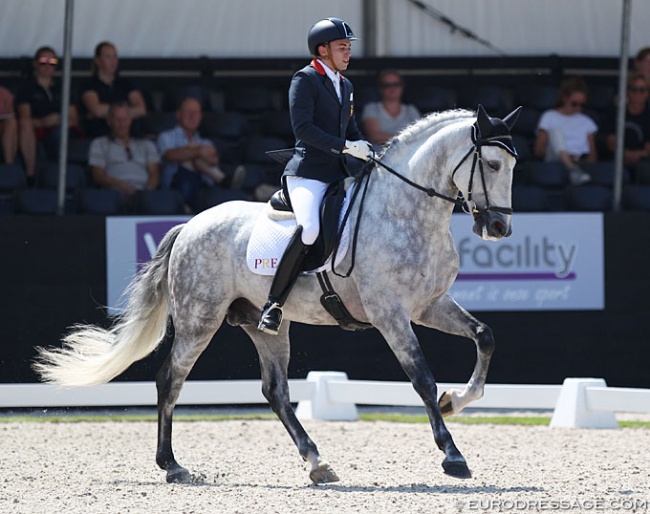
x=191 y=163
x=38 y=104
x=637 y=123
x=566 y=134
x=642 y=63
x=382 y=120
x=106 y=87
x=121 y=162
x=8 y=126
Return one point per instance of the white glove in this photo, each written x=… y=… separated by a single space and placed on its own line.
x=360 y=149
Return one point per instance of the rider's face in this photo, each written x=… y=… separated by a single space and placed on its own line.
x=339 y=54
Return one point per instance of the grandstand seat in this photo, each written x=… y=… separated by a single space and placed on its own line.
x=603 y=173
x=552 y=175
x=642 y=172
x=636 y=197
x=277 y=124
x=105 y=202
x=523 y=146
x=538 y=96
x=230 y=152
x=527 y=122
x=601 y=97
x=430 y=99
x=527 y=198
x=158 y=202
x=255 y=148
x=250 y=100
x=156 y=122
x=230 y=125
x=12 y=180
x=78 y=150
x=493 y=98
x=590 y=198
x=216 y=195
x=75 y=176
x=37 y=201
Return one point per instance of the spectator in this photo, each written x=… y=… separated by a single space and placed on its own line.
x=642 y=63
x=38 y=104
x=121 y=162
x=637 y=123
x=190 y=162
x=8 y=126
x=382 y=120
x=566 y=134
x=106 y=87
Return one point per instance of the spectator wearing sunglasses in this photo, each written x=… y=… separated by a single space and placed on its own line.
x=637 y=123
x=119 y=161
x=105 y=87
x=383 y=119
x=566 y=134
x=38 y=105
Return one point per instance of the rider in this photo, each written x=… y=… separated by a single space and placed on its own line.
x=322 y=115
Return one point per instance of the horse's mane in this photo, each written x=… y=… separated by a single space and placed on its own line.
x=427 y=125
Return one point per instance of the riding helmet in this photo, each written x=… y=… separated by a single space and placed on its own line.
x=329 y=29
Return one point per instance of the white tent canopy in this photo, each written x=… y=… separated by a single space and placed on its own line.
x=264 y=28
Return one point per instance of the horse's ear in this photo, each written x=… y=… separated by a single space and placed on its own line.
x=483 y=121
x=512 y=118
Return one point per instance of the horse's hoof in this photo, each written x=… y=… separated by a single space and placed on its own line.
x=446 y=409
x=323 y=474
x=456 y=468
x=179 y=475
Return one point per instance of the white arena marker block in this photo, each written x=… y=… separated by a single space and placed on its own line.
x=320 y=407
x=571 y=409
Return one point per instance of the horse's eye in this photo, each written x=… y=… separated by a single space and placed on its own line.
x=495 y=165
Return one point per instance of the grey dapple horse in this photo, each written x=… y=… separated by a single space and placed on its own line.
x=406 y=262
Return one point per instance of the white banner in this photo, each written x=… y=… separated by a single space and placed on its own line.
x=551 y=261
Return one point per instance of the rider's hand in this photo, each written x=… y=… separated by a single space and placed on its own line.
x=360 y=149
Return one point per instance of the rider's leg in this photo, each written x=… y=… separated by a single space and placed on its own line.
x=306 y=196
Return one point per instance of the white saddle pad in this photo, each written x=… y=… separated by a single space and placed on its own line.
x=270 y=238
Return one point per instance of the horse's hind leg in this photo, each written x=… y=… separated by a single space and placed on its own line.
x=446 y=315
x=274 y=361
x=185 y=351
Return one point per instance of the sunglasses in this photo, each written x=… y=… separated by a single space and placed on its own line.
x=390 y=84
x=637 y=89
x=49 y=61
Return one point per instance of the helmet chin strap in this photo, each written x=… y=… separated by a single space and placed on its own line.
x=328 y=59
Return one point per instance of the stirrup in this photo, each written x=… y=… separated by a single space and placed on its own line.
x=271 y=319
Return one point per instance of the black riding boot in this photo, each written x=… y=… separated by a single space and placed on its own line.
x=283 y=281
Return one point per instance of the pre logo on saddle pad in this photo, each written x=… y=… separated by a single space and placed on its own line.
x=271 y=235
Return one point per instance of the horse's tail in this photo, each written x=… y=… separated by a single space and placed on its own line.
x=93 y=355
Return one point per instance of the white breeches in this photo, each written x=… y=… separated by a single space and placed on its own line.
x=306 y=196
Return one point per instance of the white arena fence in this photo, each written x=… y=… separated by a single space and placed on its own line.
x=331 y=396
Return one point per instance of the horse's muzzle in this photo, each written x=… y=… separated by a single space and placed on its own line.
x=491 y=225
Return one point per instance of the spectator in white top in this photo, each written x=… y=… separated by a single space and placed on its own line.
x=566 y=134
x=382 y=120
x=121 y=162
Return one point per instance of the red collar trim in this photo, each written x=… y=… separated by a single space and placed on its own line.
x=320 y=69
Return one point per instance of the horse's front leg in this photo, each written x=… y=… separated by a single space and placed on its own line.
x=404 y=343
x=447 y=316
x=273 y=352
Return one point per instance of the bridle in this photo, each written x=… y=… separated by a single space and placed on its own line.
x=477 y=144
x=502 y=140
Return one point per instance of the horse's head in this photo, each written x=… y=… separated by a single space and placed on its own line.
x=484 y=175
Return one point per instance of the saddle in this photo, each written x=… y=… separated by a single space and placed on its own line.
x=330 y=212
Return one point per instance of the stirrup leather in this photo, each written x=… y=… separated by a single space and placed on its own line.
x=271 y=318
